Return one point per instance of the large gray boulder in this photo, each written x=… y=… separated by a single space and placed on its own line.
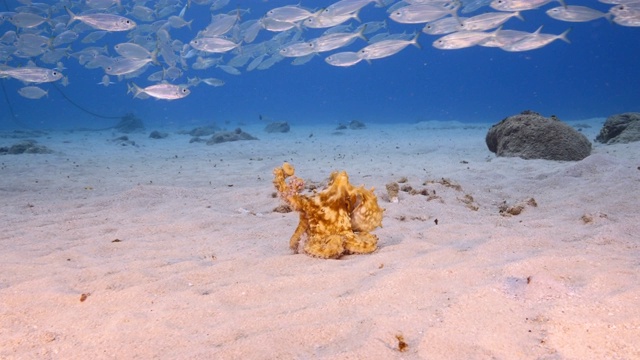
x=531 y=136
x=620 y=129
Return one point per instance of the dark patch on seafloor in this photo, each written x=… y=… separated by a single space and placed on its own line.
x=129 y=123
x=155 y=134
x=123 y=141
x=277 y=127
x=226 y=136
x=201 y=131
x=25 y=147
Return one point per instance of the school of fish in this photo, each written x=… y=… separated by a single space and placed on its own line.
x=38 y=38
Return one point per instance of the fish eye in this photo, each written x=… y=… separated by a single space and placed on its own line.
x=54 y=73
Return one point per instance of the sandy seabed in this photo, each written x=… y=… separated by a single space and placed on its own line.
x=172 y=250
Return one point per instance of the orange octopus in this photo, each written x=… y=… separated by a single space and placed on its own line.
x=336 y=221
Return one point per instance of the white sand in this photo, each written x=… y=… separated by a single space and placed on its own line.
x=203 y=269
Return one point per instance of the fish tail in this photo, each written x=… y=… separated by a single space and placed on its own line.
x=154 y=56
x=72 y=16
x=415 y=42
x=356 y=15
x=518 y=15
x=564 y=37
x=361 y=32
x=135 y=89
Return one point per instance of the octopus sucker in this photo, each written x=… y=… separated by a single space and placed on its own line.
x=335 y=221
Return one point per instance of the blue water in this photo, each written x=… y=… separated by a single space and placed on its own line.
x=597 y=75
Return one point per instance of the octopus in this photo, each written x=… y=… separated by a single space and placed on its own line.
x=335 y=221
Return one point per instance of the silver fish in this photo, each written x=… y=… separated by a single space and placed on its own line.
x=336 y=40
x=344 y=7
x=229 y=69
x=627 y=21
x=26 y=20
x=213 y=44
x=535 y=40
x=101 y=4
x=343 y=59
x=443 y=26
x=519 y=5
x=298 y=49
x=487 y=21
x=107 y=22
x=105 y=81
x=386 y=48
x=503 y=38
x=326 y=20
x=123 y=65
x=163 y=91
x=573 y=13
x=133 y=51
x=626 y=10
x=277 y=26
x=289 y=13
x=422 y=13
x=31 y=74
x=32 y=92
x=213 y=82
x=461 y=40
x=220 y=24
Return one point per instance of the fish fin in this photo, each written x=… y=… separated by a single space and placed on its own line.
x=518 y=15
x=454 y=10
x=538 y=31
x=609 y=17
x=72 y=16
x=564 y=5
x=154 y=56
x=356 y=15
x=136 y=90
x=563 y=36
x=415 y=42
x=362 y=28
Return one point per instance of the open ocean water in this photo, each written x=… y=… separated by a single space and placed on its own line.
x=596 y=75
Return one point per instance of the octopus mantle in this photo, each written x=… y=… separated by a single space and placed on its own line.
x=336 y=220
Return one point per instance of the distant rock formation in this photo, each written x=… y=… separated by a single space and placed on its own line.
x=620 y=129
x=531 y=136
